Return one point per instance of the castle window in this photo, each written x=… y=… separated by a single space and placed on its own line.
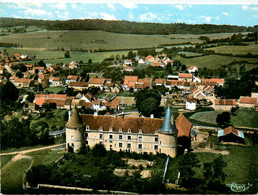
x=71 y=136
x=159 y=142
x=156 y=139
x=140 y=138
x=120 y=130
x=140 y=131
x=110 y=136
x=100 y=136
x=87 y=142
x=129 y=131
x=156 y=147
x=101 y=128
x=140 y=146
x=110 y=146
x=129 y=137
x=87 y=127
x=110 y=129
x=128 y=145
x=120 y=136
x=120 y=145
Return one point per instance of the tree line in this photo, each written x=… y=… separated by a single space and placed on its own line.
x=125 y=26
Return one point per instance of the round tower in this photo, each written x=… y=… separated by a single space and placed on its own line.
x=167 y=136
x=74 y=131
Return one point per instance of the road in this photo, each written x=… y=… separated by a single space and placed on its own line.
x=31 y=150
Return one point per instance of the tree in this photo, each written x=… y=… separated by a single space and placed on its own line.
x=67 y=54
x=186 y=164
x=149 y=106
x=41 y=63
x=9 y=92
x=213 y=171
x=223 y=119
x=142 y=96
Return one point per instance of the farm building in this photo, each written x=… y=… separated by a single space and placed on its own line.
x=230 y=134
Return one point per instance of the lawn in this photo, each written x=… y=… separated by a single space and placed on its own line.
x=207 y=116
x=11 y=179
x=5 y=160
x=54 y=89
x=241 y=167
x=216 y=61
x=190 y=54
x=45 y=157
x=236 y=49
x=245 y=118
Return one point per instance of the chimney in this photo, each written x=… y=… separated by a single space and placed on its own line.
x=152 y=116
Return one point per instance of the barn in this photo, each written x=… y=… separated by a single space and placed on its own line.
x=230 y=134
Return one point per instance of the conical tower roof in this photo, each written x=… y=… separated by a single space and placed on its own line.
x=75 y=120
x=167 y=126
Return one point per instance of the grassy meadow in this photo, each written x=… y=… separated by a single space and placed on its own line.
x=244 y=117
x=215 y=61
x=11 y=178
x=236 y=49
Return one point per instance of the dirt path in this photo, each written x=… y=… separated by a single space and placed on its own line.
x=31 y=150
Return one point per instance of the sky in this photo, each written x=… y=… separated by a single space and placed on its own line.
x=237 y=12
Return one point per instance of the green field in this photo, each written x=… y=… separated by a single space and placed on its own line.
x=5 y=160
x=236 y=49
x=244 y=117
x=190 y=54
x=241 y=166
x=54 y=89
x=11 y=179
x=215 y=61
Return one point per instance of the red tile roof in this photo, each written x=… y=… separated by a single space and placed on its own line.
x=148 y=57
x=213 y=80
x=40 y=102
x=78 y=84
x=56 y=79
x=109 y=84
x=156 y=64
x=96 y=81
x=40 y=68
x=147 y=125
x=22 y=80
x=161 y=81
x=183 y=126
x=147 y=82
x=130 y=78
x=131 y=84
x=72 y=77
x=229 y=130
x=247 y=100
x=181 y=75
x=191 y=67
x=2 y=67
x=226 y=102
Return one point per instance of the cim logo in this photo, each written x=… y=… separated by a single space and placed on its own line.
x=239 y=187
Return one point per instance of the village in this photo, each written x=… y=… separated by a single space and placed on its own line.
x=125 y=111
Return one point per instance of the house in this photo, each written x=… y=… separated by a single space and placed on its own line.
x=213 y=82
x=2 y=69
x=185 y=77
x=128 y=69
x=17 y=56
x=61 y=100
x=166 y=60
x=159 y=82
x=197 y=79
x=96 y=82
x=129 y=79
x=192 y=69
x=225 y=104
x=198 y=94
x=78 y=86
x=190 y=103
x=149 y=59
x=71 y=78
x=141 y=61
x=128 y=62
x=133 y=134
x=72 y=65
x=22 y=83
x=172 y=77
x=230 y=134
x=109 y=87
x=248 y=102
x=157 y=64
x=56 y=81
